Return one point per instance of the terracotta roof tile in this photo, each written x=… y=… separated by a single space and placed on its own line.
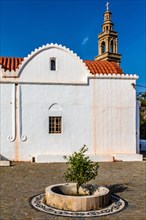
x=10 y=63
x=103 y=67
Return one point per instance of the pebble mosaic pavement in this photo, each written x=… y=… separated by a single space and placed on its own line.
x=22 y=180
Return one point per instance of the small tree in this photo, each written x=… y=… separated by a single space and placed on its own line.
x=81 y=169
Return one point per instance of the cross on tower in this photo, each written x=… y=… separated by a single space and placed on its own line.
x=107 y=4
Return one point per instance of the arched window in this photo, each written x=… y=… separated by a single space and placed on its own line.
x=53 y=64
x=111 y=46
x=103 y=47
x=55 y=119
x=55 y=123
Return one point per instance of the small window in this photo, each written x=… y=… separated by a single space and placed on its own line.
x=54 y=125
x=52 y=64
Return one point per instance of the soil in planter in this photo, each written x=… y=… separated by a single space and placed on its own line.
x=61 y=192
x=58 y=191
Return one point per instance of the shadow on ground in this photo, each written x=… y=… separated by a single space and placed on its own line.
x=117 y=188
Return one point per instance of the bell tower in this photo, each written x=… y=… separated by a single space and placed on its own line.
x=108 y=40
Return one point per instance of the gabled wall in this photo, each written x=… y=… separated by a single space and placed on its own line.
x=36 y=67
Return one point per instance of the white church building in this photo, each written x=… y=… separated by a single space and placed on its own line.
x=53 y=103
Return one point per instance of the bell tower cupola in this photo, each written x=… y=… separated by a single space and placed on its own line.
x=108 y=40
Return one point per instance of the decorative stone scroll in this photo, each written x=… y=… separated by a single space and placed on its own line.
x=23 y=137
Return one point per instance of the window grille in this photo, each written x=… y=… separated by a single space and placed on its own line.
x=55 y=125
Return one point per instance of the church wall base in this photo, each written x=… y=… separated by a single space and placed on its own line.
x=128 y=157
x=46 y=158
x=4 y=163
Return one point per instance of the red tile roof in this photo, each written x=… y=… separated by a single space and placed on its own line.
x=95 y=67
x=103 y=67
x=10 y=63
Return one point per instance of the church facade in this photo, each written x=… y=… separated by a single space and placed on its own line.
x=53 y=103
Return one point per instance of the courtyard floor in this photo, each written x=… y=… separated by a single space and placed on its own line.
x=23 y=180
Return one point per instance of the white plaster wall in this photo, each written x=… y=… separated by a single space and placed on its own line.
x=76 y=116
x=100 y=115
x=114 y=116
x=6 y=123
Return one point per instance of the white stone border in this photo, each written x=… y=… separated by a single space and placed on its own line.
x=117 y=205
x=113 y=76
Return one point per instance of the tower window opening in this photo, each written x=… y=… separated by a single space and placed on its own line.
x=111 y=46
x=103 y=47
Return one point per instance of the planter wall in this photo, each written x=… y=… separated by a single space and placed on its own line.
x=57 y=197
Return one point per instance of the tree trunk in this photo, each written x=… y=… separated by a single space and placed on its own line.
x=78 y=186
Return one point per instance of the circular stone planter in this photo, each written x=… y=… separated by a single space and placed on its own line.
x=63 y=197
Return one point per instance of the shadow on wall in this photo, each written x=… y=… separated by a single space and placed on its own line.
x=3 y=158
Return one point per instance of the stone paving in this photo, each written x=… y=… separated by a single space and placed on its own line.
x=23 y=180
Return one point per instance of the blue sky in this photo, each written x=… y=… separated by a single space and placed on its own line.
x=29 y=24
